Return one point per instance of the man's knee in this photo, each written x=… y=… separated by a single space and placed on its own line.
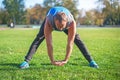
x=77 y=37
x=77 y=40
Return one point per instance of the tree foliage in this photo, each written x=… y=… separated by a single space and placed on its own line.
x=15 y=10
x=35 y=15
x=111 y=11
x=2 y=16
x=107 y=12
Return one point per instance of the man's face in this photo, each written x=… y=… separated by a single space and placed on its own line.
x=60 y=25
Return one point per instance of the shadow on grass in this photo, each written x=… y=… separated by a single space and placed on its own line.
x=10 y=66
x=73 y=64
x=15 y=66
x=44 y=66
x=69 y=63
x=77 y=59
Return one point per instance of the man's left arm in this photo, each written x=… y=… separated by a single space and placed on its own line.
x=70 y=42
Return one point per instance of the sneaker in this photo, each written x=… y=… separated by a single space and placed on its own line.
x=93 y=64
x=24 y=65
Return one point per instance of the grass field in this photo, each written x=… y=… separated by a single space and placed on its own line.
x=103 y=44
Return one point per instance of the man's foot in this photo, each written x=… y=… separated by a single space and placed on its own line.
x=93 y=64
x=24 y=65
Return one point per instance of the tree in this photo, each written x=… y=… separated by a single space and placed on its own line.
x=35 y=15
x=111 y=11
x=15 y=9
x=3 y=16
x=90 y=17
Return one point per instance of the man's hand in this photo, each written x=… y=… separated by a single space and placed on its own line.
x=59 y=63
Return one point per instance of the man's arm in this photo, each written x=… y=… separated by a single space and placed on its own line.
x=70 y=42
x=48 y=37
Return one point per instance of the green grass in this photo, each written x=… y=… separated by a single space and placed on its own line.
x=103 y=44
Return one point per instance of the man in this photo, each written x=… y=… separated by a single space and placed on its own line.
x=59 y=19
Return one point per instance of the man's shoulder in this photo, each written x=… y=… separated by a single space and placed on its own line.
x=48 y=21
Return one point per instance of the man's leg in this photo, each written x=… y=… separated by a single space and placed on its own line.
x=81 y=47
x=84 y=50
x=37 y=41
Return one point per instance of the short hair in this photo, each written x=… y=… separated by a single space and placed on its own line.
x=61 y=16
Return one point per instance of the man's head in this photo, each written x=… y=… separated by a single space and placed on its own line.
x=60 y=20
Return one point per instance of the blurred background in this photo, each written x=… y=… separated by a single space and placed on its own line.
x=24 y=13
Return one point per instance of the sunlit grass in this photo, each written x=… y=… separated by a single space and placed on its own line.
x=103 y=44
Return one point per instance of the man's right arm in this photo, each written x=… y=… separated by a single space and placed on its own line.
x=48 y=37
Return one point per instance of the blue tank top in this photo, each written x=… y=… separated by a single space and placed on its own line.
x=53 y=11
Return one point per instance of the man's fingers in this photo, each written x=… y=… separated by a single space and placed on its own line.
x=59 y=63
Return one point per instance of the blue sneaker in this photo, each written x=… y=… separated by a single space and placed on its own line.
x=93 y=64
x=24 y=65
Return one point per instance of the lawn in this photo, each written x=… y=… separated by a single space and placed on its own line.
x=103 y=44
